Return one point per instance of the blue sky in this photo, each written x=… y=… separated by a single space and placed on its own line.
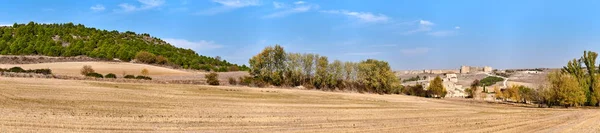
x=417 y=34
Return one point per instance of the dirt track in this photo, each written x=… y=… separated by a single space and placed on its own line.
x=50 y=105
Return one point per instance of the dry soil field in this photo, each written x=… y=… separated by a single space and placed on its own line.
x=51 y=105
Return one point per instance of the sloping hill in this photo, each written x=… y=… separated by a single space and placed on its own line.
x=73 y=40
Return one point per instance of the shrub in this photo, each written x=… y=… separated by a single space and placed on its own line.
x=161 y=60
x=143 y=77
x=245 y=80
x=129 y=76
x=110 y=75
x=212 y=78
x=86 y=70
x=145 y=72
x=232 y=81
x=95 y=75
x=145 y=57
x=16 y=69
x=42 y=71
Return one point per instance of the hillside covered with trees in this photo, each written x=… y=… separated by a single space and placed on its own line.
x=73 y=40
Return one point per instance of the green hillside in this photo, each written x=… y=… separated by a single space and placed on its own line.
x=73 y=40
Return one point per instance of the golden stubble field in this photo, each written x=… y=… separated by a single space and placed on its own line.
x=51 y=105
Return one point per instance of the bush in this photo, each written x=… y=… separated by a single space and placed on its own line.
x=245 y=80
x=2 y=70
x=87 y=70
x=16 y=69
x=95 y=75
x=212 y=78
x=129 y=76
x=145 y=72
x=161 y=60
x=232 y=81
x=110 y=75
x=143 y=77
x=145 y=57
x=42 y=71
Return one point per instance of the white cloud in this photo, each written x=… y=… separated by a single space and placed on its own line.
x=237 y=3
x=362 y=16
x=278 y=5
x=97 y=8
x=457 y=27
x=425 y=23
x=127 y=7
x=228 y=5
x=414 y=51
x=198 y=46
x=363 y=53
x=5 y=25
x=297 y=9
x=423 y=26
x=299 y=2
x=144 y=5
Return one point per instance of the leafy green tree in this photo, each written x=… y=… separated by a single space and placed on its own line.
x=377 y=76
x=322 y=76
x=436 y=88
x=564 y=90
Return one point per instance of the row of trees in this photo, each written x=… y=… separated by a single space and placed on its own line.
x=276 y=67
x=73 y=40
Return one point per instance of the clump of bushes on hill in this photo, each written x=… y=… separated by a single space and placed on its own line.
x=94 y=75
x=110 y=75
x=21 y=70
x=88 y=71
x=143 y=77
x=212 y=78
x=129 y=76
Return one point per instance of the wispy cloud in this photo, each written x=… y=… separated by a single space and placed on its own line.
x=97 y=8
x=298 y=8
x=199 y=45
x=299 y=2
x=363 y=53
x=423 y=26
x=362 y=16
x=278 y=5
x=457 y=27
x=228 y=5
x=414 y=51
x=144 y=5
x=442 y=33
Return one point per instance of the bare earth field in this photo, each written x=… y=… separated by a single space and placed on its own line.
x=51 y=105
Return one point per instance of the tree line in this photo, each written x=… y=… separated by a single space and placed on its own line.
x=72 y=40
x=274 y=66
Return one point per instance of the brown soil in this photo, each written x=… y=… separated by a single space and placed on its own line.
x=51 y=105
